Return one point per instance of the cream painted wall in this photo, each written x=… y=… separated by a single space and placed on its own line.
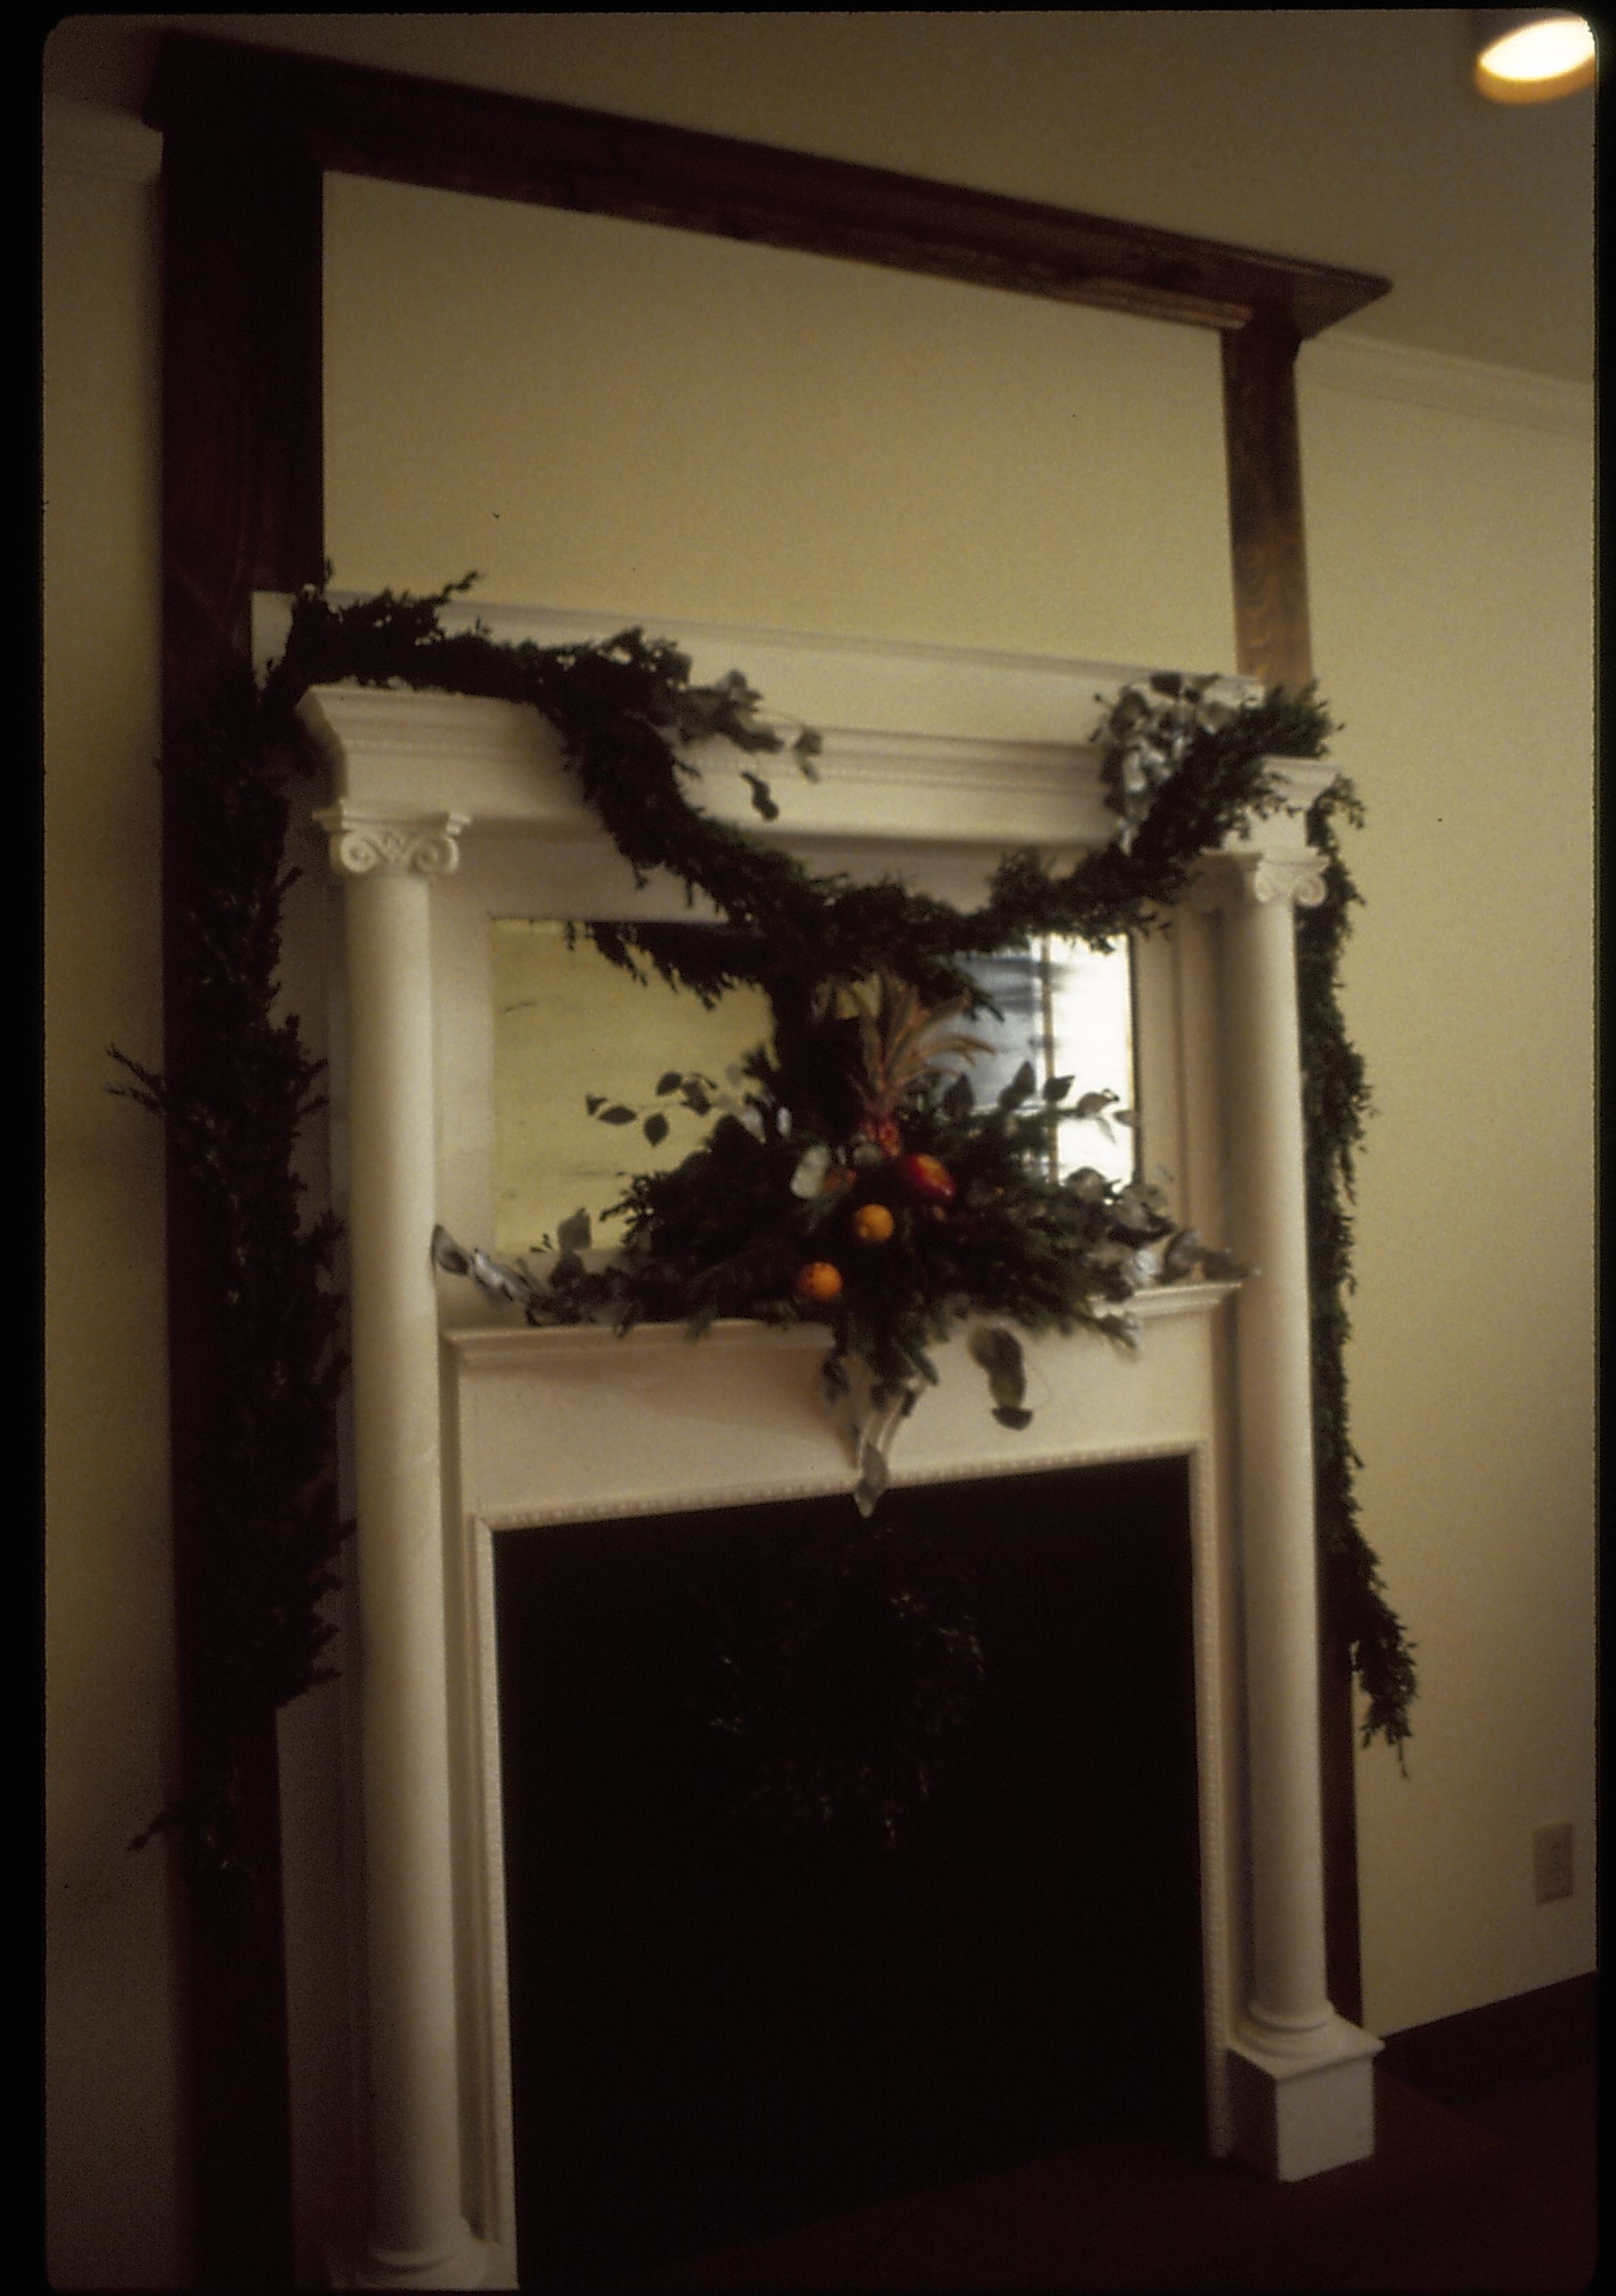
x=599 y=414
x=1449 y=553
x=1451 y=557
x=114 y=2049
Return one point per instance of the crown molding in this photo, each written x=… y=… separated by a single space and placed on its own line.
x=1410 y=376
x=89 y=139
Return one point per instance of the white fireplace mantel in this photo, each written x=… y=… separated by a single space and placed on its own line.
x=444 y=813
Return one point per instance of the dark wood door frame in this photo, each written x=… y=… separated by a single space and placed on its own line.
x=248 y=136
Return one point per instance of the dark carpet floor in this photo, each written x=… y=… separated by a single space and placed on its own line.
x=1491 y=2190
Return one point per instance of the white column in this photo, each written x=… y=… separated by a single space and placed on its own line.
x=417 y=2236
x=1300 y=2076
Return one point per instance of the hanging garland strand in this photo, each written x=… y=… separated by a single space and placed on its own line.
x=1184 y=763
x=263 y=1481
x=628 y=717
x=1335 y=1105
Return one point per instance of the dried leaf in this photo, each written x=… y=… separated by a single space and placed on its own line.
x=1016 y=1091
x=574 y=1233
x=763 y=800
x=1000 y=1355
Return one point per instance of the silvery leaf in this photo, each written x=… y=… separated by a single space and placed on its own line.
x=874 y=1476
x=447 y=1255
x=498 y=1281
x=1224 y=1268
x=808 y=1178
x=1183 y=1255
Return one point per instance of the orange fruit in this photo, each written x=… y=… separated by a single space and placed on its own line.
x=872 y=1224
x=817 y=1282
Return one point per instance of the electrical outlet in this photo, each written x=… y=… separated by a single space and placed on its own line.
x=1552 y=1863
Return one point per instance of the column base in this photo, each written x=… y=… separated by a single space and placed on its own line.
x=1295 y=2116
x=467 y=2262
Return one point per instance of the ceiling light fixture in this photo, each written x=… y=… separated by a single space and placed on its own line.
x=1529 y=55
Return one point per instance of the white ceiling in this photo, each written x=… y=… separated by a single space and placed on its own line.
x=1346 y=135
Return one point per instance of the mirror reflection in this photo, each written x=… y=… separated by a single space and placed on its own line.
x=567 y=1025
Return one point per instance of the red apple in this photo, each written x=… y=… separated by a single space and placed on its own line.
x=925 y=1180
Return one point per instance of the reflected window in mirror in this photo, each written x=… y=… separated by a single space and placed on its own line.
x=1068 y=1009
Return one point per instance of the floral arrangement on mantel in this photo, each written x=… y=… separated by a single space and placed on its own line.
x=855 y=1181
x=866 y=1191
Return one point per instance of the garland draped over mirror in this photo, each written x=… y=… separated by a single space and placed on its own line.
x=1183 y=763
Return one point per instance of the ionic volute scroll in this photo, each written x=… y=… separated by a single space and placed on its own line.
x=369 y=845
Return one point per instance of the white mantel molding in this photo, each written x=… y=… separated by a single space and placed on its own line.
x=511 y=780
x=442 y=807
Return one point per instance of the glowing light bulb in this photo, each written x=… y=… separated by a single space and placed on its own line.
x=1550 y=54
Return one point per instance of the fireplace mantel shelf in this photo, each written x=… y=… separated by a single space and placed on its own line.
x=575 y=1423
x=490 y=1341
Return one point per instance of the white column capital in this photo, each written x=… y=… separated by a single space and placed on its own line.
x=1270 y=863
x=1258 y=880
x=373 y=844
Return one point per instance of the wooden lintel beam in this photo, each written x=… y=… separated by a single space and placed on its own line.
x=451 y=137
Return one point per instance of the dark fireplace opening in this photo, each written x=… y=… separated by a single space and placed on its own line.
x=721 y=2027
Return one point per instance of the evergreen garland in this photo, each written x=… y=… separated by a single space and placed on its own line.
x=263 y=1484
x=1184 y=766
x=1335 y=1105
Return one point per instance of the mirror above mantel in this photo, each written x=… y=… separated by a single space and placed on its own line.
x=446 y=815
